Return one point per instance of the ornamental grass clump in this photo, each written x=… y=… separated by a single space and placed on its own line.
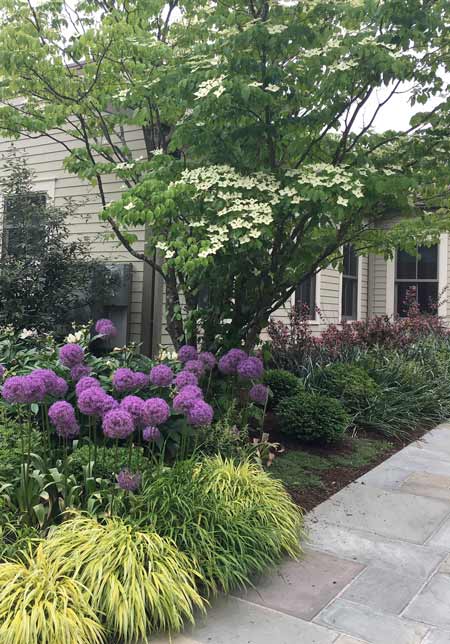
x=232 y=521
x=41 y=604
x=140 y=582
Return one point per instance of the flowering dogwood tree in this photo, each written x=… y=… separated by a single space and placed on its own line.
x=259 y=163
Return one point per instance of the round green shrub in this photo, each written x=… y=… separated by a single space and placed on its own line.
x=282 y=384
x=312 y=417
x=349 y=383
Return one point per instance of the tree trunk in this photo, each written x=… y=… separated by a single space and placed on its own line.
x=174 y=321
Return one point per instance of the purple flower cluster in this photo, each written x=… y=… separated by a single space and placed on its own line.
x=228 y=363
x=2 y=370
x=86 y=382
x=195 y=366
x=161 y=376
x=24 y=389
x=135 y=407
x=125 y=379
x=118 y=424
x=54 y=385
x=187 y=352
x=106 y=328
x=185 y=378
x=128 y=481
x=258 y=394
x=80 y=371
x=62 y=416
x=151 y=434
x=71 y=355
x=200 y=413
x=208 y=359
x=156 y=411
x=250 y=369
x=94 y=401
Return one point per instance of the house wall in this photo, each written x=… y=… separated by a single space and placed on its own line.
x=45 y=157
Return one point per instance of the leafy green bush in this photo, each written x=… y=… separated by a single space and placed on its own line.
x=139 y=581
x=231 y=519
x=312 y=417
x=349 y=383
x=41 y=604
x=283 y=384
x=11 y=435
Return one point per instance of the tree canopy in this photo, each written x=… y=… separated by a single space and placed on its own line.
x=259 y=165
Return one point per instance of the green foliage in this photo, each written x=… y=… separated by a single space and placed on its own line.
x=41 y=604
x=46 y=279
x=137 y=580
x=232 y=520
x=312 y=417
x=283 y=384
x=349 y=383
x=12 y=433
x=104 y=459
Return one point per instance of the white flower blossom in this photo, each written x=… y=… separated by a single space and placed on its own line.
x=342 y=202
x=272 y=88
x=276 y=29
x=129 y=206
x=73 y=338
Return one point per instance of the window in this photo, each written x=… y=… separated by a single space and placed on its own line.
x=349 y=296
x=305 y=295
x=421 y=273
x=22 y=231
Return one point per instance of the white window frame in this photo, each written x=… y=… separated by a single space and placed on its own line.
x=316 y=319
x=442 y=278
x=358 y=295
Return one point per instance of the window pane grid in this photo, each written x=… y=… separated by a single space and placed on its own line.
x=419 y=272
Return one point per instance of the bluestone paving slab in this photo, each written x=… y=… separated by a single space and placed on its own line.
x=437 y=637
x=390 y=514
x=385 y=478
x=441 y=538
x=346 y=639
x=444 y=568
x=374 y=627
x=303 y=588
x=432 y=605
x=234 y=621
x=403 y=558
x=383 y=589
x=426 y=484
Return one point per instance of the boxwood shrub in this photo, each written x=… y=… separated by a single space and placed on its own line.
x=349 y=383
x=312 y=417
x=283 y=384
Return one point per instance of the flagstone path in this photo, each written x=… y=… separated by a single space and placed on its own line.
x=376 y=568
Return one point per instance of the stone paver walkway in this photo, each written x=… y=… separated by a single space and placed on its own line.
x=376 y=569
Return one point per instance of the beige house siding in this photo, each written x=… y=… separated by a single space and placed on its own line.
x=45 y=157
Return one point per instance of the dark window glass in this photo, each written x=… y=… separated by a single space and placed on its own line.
x=305 y=295
x=349 y=307
x=421 y=274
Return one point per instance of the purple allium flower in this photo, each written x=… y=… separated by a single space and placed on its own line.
x=151 y=433
x=185 y=378
x=60 y=388
x=86 y=383
x=186 y=398
x=161 y=376
x=128 y=481
x=187 y=352
x=105 y=327
x=71 y=354
x=195 y=366
x=200 y=413
x=80 y=371
x=62 y=416
x=117 y=423
x=251 y=369
x=141 y=380
x=14 y=390
x=124 y=379
x=208 y=359
x=135 y=407
x=259 y=394
x=50 y=380
x=229 y=362
x=156 y=411
x=96 y=402
x=2 y=370
x=35 y=388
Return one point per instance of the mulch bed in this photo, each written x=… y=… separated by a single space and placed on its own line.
x=335 y=478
